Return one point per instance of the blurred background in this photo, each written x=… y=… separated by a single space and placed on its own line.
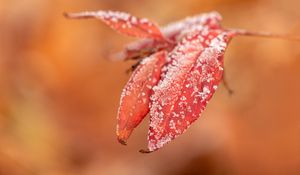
x=59 y=93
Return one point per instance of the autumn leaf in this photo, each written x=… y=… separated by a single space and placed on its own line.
x=135 y=97
x=191 y=79
x=182 y=66
x=173 y=32
x=124 y=23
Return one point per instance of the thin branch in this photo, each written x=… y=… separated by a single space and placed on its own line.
x=264 y=34
x=81 y=15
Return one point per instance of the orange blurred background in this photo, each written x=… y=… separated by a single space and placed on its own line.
x=59 y=93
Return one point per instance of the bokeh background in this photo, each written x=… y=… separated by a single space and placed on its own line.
x=59 y=93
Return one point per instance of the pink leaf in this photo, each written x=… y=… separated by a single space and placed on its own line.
x=124 y=23
x=134 y=104
x=190 y=81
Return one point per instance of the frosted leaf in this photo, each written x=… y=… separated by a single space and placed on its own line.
x=173 y=32
x=194 y=62
x=124 y=23
x=134 y=103
x=179 y=78
x=202 y=21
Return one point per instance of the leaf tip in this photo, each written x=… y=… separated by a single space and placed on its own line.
x=66 y=15
x=122 y=141
x=123 y=135
x=144 y=151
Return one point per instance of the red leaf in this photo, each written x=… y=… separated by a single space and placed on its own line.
x=124 y=23
x=134 y=104
x=188 y=76
x=202 y=21
x=191 y=79
x=173 y=32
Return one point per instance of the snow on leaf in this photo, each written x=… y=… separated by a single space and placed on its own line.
x=124 y=23
x=134 y=104
x=190 y=81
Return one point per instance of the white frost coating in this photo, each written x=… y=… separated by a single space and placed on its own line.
x=144 y=21
x=126 y=24
x=172 y=125
x=176 y=31
x=197 y=20
x=153 y=145
x=206 y=90
x=191 y=23
x=134 y=20
x=169 y=90
x=135 y=93
x=114 y=15
x=180 y=66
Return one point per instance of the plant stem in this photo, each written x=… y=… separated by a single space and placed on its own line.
x=264 y=34
x=81 y=15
